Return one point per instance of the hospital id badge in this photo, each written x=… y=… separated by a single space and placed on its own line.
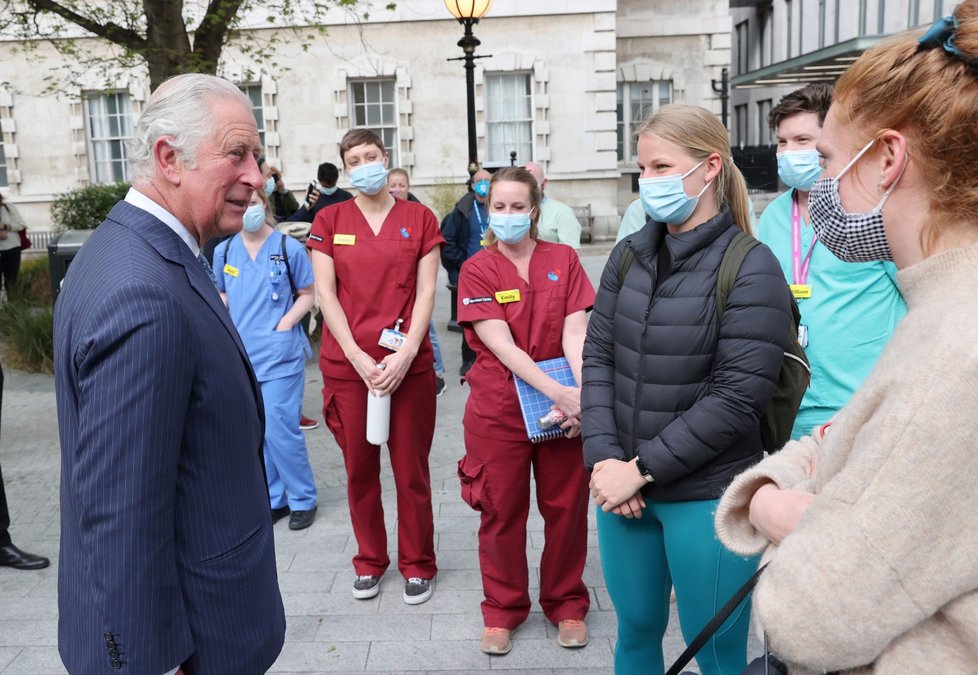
x=803 y=335
x=392 y=338
x=801 y=291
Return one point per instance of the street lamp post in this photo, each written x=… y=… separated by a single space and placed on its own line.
x=468 y=13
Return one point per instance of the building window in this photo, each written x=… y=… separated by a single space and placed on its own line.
x=764 y=134
x=863 y=16
x=636 y=102
x=740 y=124
x=509 y=117
x=109 y=119
x=743 y=48
x=787 y=9
x=938 y=9
x=3 y=167
x=253 y=92
x=821 y=23
x=373 y=105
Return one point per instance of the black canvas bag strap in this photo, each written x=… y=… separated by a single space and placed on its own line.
x=704 y=635
x=288 y=268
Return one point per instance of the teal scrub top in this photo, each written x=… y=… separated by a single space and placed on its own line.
x=259 y=295
x=850 y=316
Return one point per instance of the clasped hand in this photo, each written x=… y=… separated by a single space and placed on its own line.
x=616 y=487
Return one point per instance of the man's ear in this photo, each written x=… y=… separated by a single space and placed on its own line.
x=168 y=163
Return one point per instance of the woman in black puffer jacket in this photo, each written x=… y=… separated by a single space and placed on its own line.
x=673 y=394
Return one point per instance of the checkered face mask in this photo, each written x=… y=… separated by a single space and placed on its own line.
x=851 y=237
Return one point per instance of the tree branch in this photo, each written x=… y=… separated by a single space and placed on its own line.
x=211 y=34
x=110 y=31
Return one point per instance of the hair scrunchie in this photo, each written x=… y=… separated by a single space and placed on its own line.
x=941 y=34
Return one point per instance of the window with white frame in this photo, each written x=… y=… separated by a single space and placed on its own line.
x=509 y=117
x=764 y=134
x=3 y=166
x=253 y=92
x=636 y=102
x=373 y=105
x=108 y=117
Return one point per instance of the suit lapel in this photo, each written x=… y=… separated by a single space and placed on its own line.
x=169 y=245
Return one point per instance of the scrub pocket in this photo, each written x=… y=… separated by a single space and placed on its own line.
x=475 y=488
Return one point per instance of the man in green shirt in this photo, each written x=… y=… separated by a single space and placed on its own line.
x=557 y=223
x=848 y=310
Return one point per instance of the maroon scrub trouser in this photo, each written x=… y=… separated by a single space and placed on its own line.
x=411 y=431
x=495 y=477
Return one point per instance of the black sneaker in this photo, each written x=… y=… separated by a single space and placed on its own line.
x=300 y=520
x=418 y=590
x=440 y=385
x=366 y=586
x=279 y=513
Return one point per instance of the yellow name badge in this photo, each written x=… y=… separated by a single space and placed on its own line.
x=483 y=243
x=504 y=297
x=233 y=271
x=801 y=291
x=344 y=239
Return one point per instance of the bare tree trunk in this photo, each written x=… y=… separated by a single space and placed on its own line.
x=168 y=44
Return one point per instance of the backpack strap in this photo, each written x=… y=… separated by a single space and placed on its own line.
x=627 y=258
x=733 y=258
x=288 y=268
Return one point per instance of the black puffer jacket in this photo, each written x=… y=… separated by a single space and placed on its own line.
x=663 y=380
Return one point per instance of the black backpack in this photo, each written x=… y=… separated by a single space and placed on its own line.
x=795 y=374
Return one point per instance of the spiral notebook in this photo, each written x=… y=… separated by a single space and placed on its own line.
x=534 y=405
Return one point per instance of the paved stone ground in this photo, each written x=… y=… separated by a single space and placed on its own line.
x=328 y=630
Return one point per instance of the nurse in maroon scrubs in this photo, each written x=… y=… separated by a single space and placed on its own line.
x=375 y=260
x=522 y=300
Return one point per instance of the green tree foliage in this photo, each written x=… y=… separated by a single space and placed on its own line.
x=169 y=37
x=85 y=207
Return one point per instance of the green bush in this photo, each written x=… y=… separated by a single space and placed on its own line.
x=34 y=280
x=84 y=208
x=27 y=333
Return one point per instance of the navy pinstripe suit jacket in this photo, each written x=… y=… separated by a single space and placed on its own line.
x=167 y=554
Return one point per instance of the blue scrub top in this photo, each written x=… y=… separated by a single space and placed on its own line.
x=850 y=317
x=259 y=295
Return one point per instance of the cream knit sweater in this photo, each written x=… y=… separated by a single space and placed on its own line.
x=881 y=574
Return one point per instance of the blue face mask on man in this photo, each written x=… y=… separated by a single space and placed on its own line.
x=270 y=185
x=509 y=228
x=481 y=187
x=327 y=190
x=665 y=198
x=799 y=169
x=369 y=178
x=254 y=218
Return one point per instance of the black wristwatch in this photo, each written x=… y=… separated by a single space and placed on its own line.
x=644 y=470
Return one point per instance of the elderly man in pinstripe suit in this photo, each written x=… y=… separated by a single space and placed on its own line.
x=167 y=558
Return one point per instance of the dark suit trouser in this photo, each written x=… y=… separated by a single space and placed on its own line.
x=4 y=512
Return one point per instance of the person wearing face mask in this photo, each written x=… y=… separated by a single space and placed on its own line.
x=849 y=311
x=326 y=194
x=557 y=220
x=674 y=391
x=283 y=202
x=870 y=524
x=375 y=259
x=256 y=271
x=465 y=230
x=521 y=301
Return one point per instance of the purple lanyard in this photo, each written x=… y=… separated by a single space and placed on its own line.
x=799 y=267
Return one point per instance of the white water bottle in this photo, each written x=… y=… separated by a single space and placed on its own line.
x=378 y=415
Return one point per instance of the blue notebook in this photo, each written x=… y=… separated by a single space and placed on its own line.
x=534 y=405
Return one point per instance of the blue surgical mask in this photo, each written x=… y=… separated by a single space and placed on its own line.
x=327 y=191
x=369 y=178
x=254 y=218
x=665 y=198
x=799 y=169
x=269 y=185
x=481 y=187
x=509 y=228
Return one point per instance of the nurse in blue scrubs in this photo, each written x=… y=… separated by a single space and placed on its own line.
x=253 y=278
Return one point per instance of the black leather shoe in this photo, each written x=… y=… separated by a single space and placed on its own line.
x=465 y=367
x=300 y=520
x=278 y=514
x=11 y=556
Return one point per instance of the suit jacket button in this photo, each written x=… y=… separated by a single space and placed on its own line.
x=114 y=653
x=117 y=664
x=107 y=636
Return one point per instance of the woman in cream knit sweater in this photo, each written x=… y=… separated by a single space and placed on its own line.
x=871 y=524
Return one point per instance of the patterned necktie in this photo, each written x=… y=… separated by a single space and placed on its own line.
x=207 y=267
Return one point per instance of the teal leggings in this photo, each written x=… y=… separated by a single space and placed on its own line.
x=672 y=543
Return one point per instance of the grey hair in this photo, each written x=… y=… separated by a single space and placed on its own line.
x=177 y=110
